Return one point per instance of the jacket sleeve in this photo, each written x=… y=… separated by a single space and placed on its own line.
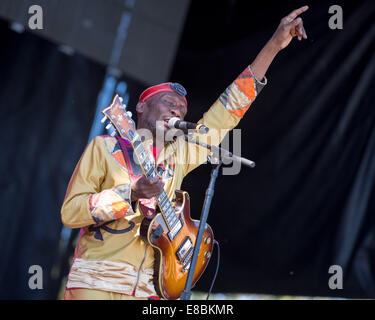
x=223 y=116
x=85 y=202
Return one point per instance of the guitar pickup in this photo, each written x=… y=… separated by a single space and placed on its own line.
x=175 y=229
x=184 y=249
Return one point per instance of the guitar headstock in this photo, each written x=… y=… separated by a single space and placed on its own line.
x=120 y=119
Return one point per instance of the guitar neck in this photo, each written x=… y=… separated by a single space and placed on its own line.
x=148 y=168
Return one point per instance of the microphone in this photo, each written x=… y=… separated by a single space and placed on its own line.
x=184 y=125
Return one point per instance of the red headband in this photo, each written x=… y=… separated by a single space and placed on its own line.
x=163 y=87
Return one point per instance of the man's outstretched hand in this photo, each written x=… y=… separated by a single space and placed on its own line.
x=290 y=26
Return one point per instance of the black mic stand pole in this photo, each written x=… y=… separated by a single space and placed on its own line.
x=216 y=162
x=186 y=293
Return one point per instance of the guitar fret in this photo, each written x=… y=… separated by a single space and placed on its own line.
x=137 y=143
x=163 y=199
x=170 y=212
x=162 y=202
x=169 y=218
x=174 y=220
x=152 y=174
x=173 y=217
x=159 y=198
x=166 y=207
x=166 y=213
x=149 y=172
x=170 y=223
x=163 y=196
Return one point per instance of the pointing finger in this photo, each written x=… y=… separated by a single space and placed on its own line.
x=295 y=13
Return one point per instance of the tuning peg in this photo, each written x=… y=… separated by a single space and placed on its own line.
x=109 y=125
x=113 y=133
x=121 y=99
x=104 y=119
x=129 y=114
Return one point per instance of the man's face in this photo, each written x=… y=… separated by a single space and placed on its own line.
x=155 y=112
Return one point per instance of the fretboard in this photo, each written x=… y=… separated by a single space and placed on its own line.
x=148 y=168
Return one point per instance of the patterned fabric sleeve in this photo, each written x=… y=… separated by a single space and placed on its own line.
x=110 y=204
x=85 y=203
x=223 y=116
x=239 y=96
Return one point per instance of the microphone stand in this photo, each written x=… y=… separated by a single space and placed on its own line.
x=216 y=163
x=224 y=154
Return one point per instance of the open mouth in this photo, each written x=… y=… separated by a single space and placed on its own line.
x=166 y=122
x=162 y=124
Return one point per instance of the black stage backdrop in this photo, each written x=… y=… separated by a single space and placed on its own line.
x=47 y=100
x=307 y=205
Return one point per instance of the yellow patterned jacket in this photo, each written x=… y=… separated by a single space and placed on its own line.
x=110 y=254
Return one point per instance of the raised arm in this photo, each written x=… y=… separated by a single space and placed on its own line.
x=233 y=103
x=290 y=26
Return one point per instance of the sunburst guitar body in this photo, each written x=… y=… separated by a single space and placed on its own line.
x=173 y=258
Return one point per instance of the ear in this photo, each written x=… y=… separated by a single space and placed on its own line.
x=140 y=107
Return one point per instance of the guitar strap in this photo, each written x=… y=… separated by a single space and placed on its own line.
x=146 y=206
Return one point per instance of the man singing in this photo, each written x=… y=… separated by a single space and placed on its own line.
x=108 y=201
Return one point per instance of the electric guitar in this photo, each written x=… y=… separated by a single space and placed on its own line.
x=171 y=233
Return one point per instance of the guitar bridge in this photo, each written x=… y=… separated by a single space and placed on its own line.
x=186 y=268
x=188 y=257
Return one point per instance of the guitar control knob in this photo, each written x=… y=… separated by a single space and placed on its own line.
x=207 y=240
x=207 y=254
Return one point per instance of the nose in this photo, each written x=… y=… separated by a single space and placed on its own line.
x=176 y=112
